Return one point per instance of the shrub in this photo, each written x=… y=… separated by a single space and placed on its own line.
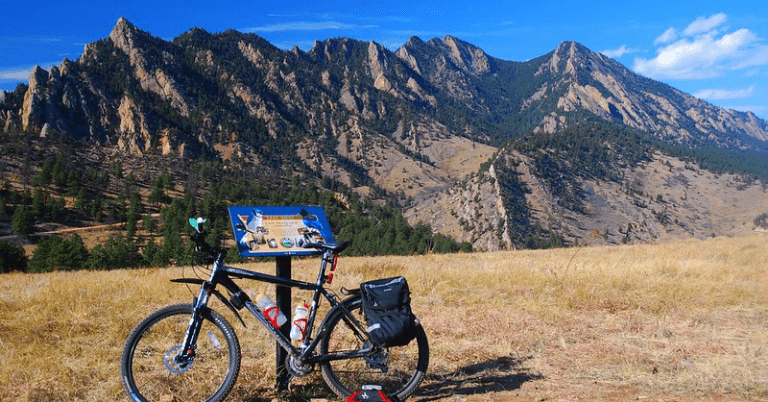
x=761 y=222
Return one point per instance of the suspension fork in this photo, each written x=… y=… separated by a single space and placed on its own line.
x=187 y=352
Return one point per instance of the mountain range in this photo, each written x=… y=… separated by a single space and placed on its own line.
x=570 y=148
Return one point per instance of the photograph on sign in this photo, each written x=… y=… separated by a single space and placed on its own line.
x=274 y=231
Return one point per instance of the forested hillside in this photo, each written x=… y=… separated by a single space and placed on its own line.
x=152 y=215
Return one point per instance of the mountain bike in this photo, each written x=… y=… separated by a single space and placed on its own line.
x=189 y=352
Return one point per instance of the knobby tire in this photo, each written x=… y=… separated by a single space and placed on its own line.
x=147 y=378
x=406 y=364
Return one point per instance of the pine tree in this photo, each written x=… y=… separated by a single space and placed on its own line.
x=22 y=221
x=12 y=257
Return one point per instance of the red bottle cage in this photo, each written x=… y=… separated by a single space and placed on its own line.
x=272 y=313
x=333 y=268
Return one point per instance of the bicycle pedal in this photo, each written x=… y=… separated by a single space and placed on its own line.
x=380 y=366
x=377 y=361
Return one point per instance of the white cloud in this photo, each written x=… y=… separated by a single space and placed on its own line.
x=705 y=24
x=304 y=26
x=15 y=73
x=621 y=51
x=668 y=36
x=704 y=52
x=21 y=73
x=721 y=94
x=11 y=76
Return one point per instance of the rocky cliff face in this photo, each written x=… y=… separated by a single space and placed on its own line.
x=152 y=78
x=423 y=123
x=590 y=81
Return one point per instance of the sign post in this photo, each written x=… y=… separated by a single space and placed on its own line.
x=280 y=232
x=283 y=301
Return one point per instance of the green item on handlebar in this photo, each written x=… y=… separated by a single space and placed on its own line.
x=196 y=223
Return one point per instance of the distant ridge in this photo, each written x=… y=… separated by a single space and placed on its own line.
x=439 y=126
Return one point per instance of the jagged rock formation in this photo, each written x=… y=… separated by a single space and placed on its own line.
x=427 y=123
x=611 y=92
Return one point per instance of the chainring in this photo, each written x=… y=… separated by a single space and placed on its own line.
x=298 y=369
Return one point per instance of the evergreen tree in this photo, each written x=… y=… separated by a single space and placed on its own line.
x=117 y=252
x=157 y=194
x=54 y=253
x=22 y=221
x=152 y=254
x=117 y=210
x=134 y=213
x=55 y=209
x=12 y=257
x=38 y=203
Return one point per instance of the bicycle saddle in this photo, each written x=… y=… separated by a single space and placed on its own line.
x=335 y=248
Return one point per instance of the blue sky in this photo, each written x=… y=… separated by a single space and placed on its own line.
x=715 y=50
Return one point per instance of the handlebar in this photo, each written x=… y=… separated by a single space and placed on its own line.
x=202 y=247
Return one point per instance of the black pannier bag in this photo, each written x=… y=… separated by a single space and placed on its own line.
x=387 y=308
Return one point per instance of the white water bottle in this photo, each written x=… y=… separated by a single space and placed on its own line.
x=299 y=326
x=271 y=311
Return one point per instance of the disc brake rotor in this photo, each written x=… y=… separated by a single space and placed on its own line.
x=172 y=362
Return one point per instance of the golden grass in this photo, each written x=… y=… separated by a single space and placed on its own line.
x=677 y=321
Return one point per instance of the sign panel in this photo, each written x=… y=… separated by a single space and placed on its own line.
x=270 y=231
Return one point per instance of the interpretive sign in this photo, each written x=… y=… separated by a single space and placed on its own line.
x=271 y=231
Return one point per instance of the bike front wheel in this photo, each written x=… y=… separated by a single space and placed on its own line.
x=398 y=370
x=151 y=374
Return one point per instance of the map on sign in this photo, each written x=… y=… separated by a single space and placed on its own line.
x=269 y=231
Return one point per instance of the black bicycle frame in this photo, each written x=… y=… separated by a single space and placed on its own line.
x=222 y=275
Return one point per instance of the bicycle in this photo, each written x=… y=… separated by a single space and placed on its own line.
x=189 y=352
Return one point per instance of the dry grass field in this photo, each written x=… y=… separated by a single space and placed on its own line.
x=679 y=321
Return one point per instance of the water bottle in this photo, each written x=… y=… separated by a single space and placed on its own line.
x=271 y=311
x=299 y=326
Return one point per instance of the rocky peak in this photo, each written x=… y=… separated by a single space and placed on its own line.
x=414 y=41
x=135 y=43
x=327 y=48
x=37 y=78
x=404 y=52
x=449 y=50
x=34 y=98
x=377 y=59
x=466 y=56
x=123 y=35
x=448 y=62
x=569 y=57
x=596 y=83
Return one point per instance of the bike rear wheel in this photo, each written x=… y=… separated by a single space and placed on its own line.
x=149 y=372
x=406 y=365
